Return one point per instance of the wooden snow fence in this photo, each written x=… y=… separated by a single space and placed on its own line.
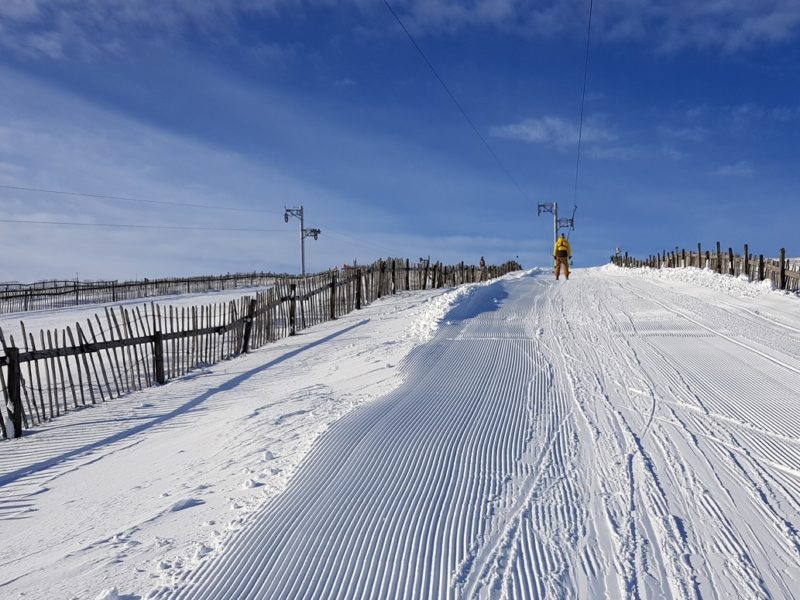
x=126 y=349
x=784 y=274
x=45 y=295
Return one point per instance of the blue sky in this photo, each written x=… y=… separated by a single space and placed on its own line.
x=690 y=134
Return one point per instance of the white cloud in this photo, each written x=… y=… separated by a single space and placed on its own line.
x=553 y=131
x=742 y=168
x=55 y=28
x=671 y=25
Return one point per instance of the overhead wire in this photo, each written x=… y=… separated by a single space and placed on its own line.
x=139 y=200
x=456 y=102
x=138 y=226
x=583 y=100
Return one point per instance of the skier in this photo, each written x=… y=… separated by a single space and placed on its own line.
x=562 y=253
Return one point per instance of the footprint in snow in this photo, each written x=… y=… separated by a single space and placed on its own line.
x=185 y=503
x=201 y=551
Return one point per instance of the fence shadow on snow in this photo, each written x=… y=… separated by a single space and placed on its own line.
x=127 y=349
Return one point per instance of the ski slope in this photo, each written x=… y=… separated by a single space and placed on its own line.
x=626 y=434
x=619 y=435
x=135 y=493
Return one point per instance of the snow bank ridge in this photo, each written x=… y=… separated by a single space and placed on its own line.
x=425 y=325
x=740 y=286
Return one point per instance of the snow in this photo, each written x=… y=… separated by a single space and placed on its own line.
x=141 y=490
x=738 y=286
x=60 y=318
x=628 y=433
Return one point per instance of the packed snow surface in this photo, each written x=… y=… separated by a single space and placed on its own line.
x=619 y=435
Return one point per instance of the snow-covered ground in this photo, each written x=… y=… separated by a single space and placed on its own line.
x=50 y=319
x=137 y=492
x=623 y=434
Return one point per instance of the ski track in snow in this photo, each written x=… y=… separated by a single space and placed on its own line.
x=606 y=437
x=140 y=491
x=620 y=435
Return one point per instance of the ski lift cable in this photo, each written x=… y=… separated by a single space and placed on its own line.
x=456 y=102
x=583 y=101
x=572 y=219
x=138 y=200
x=140 y=226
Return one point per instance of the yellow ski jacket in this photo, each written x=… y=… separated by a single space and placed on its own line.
x=562 y=248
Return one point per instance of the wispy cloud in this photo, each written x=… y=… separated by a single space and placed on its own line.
x=671 y=25
x=746 y=113
x=671 y=152
x=742 y=168
x=57 y=28
x=553 y=131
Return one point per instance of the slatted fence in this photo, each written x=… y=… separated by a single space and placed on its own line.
x=122 y=350
x=45 y=295
x=784 y=274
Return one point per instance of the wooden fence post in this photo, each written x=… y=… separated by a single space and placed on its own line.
x=761 y=267
x=747 y=261
x=719 y=259
x=333 y=296
x=14 y=389
x=292 y=308
x=394 y=277
x=248 y=326
x=158 y=357
x=358 y=289
x=381 y=278
x=408 y=277
x=782 y=272
x=731 y=270
x=699 y=256
x=425 y=275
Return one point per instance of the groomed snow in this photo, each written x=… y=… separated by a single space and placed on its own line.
x=123 y=499
x=623 y=434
